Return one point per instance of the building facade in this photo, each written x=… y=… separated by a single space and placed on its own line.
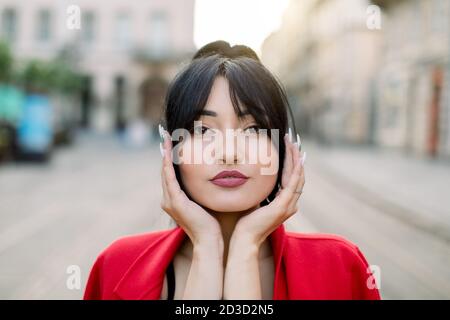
x=413 y=81
x=327 y=57
x=387 y=86
x=127 y=50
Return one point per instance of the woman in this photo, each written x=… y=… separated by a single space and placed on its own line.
x=222 y=111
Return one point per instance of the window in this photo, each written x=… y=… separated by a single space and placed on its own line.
x=88 y=25
x=159 y=33
x=123 y=31
x=9 y=25
x=439 y=17
x=44 y=28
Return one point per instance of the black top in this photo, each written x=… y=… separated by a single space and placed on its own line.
x=170 y=281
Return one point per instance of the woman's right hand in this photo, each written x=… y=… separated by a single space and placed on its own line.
x=198 y=224
x=205 y=278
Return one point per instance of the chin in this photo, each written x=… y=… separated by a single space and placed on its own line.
x=230 y=203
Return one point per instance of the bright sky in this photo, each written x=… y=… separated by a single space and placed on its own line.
x=246 y=22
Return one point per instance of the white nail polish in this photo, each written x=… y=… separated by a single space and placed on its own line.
x=161 y=131
x=303 y=158
x=299 y=142
x=290 y=135
x=161 y=149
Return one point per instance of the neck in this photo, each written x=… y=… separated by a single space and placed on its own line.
x=228 y=221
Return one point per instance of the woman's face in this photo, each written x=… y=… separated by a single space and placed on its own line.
x=243 y=149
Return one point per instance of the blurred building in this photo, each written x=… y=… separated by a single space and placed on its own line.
x=127 y=50
x=326 y=57
x=355 y=84
x=414 y=77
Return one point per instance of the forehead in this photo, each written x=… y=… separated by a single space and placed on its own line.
x=219 y=102
x=220 y=93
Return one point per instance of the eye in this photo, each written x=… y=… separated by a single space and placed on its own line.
x=201 y=130
x=252 y=129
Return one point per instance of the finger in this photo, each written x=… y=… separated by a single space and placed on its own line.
x=173 y=187
x=295 y=152
x=164 y=185
x=301 y=170
x=293 y=205
x=298 y=159
x=287 y=193
x=299 y=186
x=168 y=201
x=166 y=197
x=288 y=162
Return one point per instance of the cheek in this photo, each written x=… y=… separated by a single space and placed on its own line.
x=264 y=154
x=267 y=166
x=194 y=174
x=191 y=150
x=193 y=178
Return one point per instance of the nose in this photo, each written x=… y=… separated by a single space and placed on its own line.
x=231 y=151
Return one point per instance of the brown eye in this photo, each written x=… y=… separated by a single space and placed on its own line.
x=202 y=130
x=198 y=130
x=252 y=129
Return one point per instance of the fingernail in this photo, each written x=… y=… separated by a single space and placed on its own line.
x=161 y=132
x=290 y=135
x=303 y=158
x=161 y=148
x=299 y=142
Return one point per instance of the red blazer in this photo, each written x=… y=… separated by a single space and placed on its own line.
x=307 y=266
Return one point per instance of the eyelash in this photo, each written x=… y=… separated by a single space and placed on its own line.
x=256 y=127
x=202 y=128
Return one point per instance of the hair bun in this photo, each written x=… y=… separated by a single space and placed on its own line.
x=223 y=48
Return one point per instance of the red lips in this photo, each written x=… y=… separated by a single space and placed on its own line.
x=229 y=178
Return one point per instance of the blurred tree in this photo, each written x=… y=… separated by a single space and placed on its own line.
x=6 y=61
x=63 y=79
x=50 y=77
x=67 y=80
x=36 y=77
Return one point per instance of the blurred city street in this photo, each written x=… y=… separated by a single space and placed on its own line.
x=84 y=86
x=65 y=212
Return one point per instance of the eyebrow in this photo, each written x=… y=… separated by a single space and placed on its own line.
x=214 y=114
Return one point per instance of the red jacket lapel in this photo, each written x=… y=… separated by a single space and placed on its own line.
x=145 y=277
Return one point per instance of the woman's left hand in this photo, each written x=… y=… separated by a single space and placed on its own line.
x=257 y=225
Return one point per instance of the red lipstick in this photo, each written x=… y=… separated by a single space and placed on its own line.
x=229 y=179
